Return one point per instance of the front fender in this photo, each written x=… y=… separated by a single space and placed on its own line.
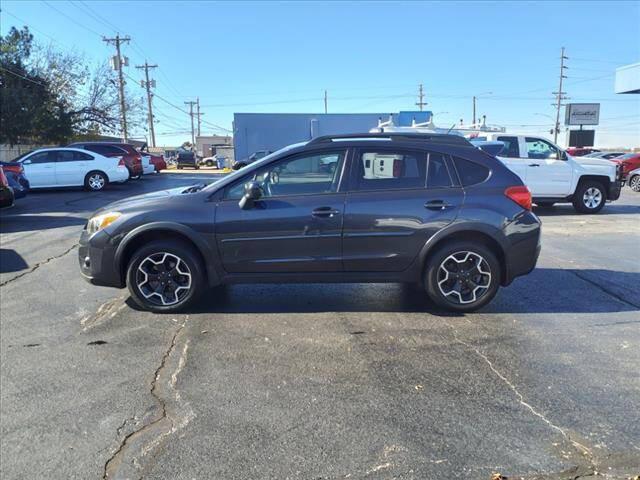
x=195 y=237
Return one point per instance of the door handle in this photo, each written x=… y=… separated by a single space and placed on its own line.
x=437 y=205
x=325 y=212
x=534 y=164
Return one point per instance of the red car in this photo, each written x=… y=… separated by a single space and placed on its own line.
x=132 y=158
x=157 y=161
x=581 y=151
x=629 y=161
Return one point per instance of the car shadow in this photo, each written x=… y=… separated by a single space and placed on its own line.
x=546 y=290
x=31 y=222
x=11 y=261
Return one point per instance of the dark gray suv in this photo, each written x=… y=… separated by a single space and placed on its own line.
x=430 y=209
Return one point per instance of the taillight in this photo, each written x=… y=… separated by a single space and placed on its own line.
x=521 y=195
x=397 y=168
x=121 y=162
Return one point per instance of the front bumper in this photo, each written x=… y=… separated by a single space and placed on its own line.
x=96 y=255
x=615 y=188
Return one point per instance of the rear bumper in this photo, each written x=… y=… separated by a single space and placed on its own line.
x=96 y=256
x=521 y=258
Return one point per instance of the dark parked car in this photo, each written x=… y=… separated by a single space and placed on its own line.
x=132 y=158
x=187 y=158
x=6 y=192
x=430 y=209
x=14 y=171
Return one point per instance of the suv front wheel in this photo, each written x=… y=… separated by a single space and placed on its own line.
x=462 y=276
x=165 y=276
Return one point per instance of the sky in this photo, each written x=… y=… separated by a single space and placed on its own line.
x=369 y=56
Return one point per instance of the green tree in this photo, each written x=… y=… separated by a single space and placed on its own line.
x=28 y=110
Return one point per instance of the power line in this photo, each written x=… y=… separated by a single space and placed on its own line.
x=71 y=19
x=23 y=77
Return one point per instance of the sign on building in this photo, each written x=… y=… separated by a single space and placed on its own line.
x=582 y=114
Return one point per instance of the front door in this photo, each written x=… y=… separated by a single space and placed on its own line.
x=40 y=169
x=547 y=173
x=397 y=200
x=296 y=225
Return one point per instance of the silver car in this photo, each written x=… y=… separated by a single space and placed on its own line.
x=634 y=180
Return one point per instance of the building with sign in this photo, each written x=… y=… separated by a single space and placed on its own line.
x=628 y=79
x=253 y=132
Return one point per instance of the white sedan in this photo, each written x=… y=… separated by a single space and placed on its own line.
x=634 y=179
x=72 y=167
x=147 y=166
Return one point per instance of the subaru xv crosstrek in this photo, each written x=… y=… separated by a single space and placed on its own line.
x=428 y=209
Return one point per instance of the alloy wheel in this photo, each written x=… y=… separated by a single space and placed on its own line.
x=464 y=277
x=635 y=183
x=592 y=197
x=96 y=181
x=163 y=279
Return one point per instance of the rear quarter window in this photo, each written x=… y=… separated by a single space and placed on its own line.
x=470 y=173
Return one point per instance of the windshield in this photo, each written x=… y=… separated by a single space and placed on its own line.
x=251 y=166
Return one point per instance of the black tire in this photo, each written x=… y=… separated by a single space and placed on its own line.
x=545 y=204
x=209 y=163
x=634 y=183
x=135 y=177
x=144 y=294
x=589 y=197
x=197 y=167
x=487 y=278
x=238 y=166
x=179 y=167
x=95 y=181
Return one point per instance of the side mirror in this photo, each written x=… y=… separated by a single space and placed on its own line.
x=252 y=192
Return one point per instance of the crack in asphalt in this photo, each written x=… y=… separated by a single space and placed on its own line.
x=584 y=450
x=38 y=265
x=135 y=444
x=603 y=289
x=107 y=310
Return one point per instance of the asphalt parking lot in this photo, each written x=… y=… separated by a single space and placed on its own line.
x=319 y=381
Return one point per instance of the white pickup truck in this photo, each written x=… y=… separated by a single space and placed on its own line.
x=555 y=177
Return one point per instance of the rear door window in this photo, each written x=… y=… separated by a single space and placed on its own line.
x=65 y=156
x=81 y=156
x=390 y=170
x=437 y=172
x=510 y=148
x=470 y=173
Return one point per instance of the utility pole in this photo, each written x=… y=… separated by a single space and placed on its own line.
x=148 y=84
x=117 y=63
x=193 y=138
x=325 y=101
x=560 y=95
x=421 y=103
x=198 y=113
x=474 y=110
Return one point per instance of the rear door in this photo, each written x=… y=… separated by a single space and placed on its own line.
x=71 y=167
x=512 y=156
x=392 y=208
x=40 y=169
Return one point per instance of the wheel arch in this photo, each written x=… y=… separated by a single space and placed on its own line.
x=602 y=179
x=163 y=231
x=490 y=237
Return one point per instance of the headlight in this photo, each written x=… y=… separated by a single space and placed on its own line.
x=99 y=222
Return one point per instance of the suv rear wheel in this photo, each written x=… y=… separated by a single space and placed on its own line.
x=165 y=276
x=462 y=276
x=590 y=197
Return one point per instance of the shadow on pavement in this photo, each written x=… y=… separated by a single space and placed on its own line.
x=11 y=261
x=546 y=290
x=28 y=222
